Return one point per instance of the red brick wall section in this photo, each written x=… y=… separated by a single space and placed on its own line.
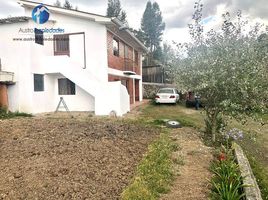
x=131 y=90
x=116 y=62
x=3 y=96
x=137 y=90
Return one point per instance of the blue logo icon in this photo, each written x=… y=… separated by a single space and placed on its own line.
x=40 y=14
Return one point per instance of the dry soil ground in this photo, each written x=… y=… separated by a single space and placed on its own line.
x=46 y=158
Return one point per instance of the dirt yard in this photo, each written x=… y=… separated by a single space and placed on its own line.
x=42 y=158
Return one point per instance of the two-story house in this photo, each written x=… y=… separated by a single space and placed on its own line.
x=93 y=62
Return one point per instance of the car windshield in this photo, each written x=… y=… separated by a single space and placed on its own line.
x=166 y=91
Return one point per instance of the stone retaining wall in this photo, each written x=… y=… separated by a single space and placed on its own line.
x=251 y=190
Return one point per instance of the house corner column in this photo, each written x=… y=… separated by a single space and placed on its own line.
x=3 y=96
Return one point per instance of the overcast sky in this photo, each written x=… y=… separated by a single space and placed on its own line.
x=176 y=13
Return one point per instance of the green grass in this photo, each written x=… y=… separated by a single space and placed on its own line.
x=187 y=117
x=7 y=115
x=255 y=142
x=154 y=173
x=255 y=145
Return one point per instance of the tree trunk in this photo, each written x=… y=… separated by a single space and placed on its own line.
x=212 y=122
x=214 y=125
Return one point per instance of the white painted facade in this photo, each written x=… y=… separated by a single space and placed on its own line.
x=86 y=67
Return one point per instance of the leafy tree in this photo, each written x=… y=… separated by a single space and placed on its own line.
x=152 y=27
x=226 y=69
x=196 y=29
x=167 y=59
x=57 y=3
x=114 y=9
x=67 y=5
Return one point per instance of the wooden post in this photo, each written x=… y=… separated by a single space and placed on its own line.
x=3 y=96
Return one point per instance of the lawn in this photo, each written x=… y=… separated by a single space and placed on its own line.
x=187 y=117
x=255 y=142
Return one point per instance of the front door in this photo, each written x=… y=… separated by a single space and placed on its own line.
x=137 y=90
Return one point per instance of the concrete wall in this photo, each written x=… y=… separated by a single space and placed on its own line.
x=24 y=59
x=28 y=58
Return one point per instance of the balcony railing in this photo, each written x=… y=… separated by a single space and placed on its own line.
x=6 y=77
x=130 y=65
x=123 y=64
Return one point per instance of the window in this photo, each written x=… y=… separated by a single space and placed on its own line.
x=66 y=87
x=166 y=91
x=136 y=57
x=126 y=51
x=61 y=45
x=115 y=47
x=38 y=82
x=39 y=36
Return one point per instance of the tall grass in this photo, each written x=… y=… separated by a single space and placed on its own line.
x=154 y=173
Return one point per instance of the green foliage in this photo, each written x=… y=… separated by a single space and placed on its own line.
x=226 y=68
x=67 y=4
x=4 y=114
x=154 y=173
x=227 y=180
x=261 y=176
x=114 y=9
x=57 y=3
x=152 y=28
x=137 y=191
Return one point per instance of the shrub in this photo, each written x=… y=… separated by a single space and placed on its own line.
x=227 y=180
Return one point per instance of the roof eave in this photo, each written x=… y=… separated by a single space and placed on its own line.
x=120 y=24
x=93 y=17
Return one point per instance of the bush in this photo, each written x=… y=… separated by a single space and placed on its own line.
x=227 y=180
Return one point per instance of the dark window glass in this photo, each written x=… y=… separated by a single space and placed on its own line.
x=166 y=91
x=39 y=36
x=38 y=82
x=66 y=87
x=115 y=47
x=61 y=45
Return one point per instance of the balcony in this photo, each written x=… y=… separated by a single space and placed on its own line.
x=130 y=67
x=6 y=77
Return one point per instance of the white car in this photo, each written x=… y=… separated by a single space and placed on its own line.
x=167 y=95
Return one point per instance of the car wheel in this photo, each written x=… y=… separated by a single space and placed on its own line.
x=173 y=124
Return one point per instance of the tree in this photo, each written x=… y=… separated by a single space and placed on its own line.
x=57 y=3
x=225 y=68
x=152 y=27
x=114 y=10
x=67 y=5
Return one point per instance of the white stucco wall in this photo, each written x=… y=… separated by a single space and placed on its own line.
x=25 y=58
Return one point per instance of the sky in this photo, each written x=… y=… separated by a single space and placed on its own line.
x=176 y=13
